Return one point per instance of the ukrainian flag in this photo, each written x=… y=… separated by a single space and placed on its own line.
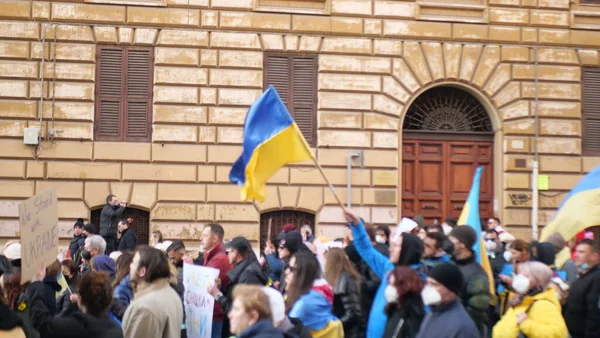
x=579 y=210
x=271 y=140
x=470 y=216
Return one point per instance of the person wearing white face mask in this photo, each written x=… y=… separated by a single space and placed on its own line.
x=405 y=309
x=382 y=235
x=536 y=313
x=447 y=317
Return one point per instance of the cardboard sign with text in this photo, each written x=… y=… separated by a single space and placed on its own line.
x=38 y=218
x=198 y=303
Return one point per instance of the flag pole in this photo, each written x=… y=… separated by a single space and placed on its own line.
x=327 y=181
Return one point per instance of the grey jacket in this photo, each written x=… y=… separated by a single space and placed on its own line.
x=109 y=220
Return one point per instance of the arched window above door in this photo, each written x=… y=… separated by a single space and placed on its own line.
x=140 y=224
x=448 y=110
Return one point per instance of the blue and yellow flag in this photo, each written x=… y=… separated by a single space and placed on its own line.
x=470 y=216
x=578 y=211
x=271 y=140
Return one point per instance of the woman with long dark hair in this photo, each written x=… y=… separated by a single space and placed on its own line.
x=345 y=280
x=121 y=284
x=309 y=297
x=405 y=309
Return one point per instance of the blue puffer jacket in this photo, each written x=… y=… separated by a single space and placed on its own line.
x=382 y=266
x=123 y=292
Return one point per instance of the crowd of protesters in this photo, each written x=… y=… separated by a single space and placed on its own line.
x=425 y=282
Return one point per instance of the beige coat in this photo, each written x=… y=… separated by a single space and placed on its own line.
x=156 y=312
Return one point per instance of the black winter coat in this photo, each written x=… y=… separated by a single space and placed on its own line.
x=347 y=307
x=128 y=240
x=51 y=287
x=299 y=330
x=9 y=320
x=405 y=321
x=109 y=220
x=582 y=309
x=475 y=291
x=71 y=324
x=247 y=271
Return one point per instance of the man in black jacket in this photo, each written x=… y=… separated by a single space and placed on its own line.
x=128 y=238
x=246 y=270
x=475 y=293
x=109 y=220
x=78 y=239
x=582 y=309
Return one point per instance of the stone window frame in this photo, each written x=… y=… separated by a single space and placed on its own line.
x=322 y=7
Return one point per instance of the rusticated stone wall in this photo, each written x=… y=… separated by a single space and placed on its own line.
x=375 y=57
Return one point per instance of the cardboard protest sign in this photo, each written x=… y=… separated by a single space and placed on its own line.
x=198 y=303
x=38 y=218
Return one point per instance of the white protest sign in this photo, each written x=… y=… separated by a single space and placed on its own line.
x=198 y=303
x=38 y=218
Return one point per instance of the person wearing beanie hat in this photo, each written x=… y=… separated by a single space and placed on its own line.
x=291 y=326
x=442 y=295
x=78 y=239
x=475 y=293
x=569 y=267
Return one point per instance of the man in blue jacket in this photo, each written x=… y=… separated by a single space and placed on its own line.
x=406 y=250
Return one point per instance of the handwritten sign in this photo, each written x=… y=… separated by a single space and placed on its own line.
x=38 y=217
x=198 y=303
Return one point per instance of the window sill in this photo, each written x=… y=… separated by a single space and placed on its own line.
x=153 y=3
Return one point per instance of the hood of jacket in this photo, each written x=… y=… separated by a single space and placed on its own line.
x=412 y=250
x=543 y=252
x=8 y=319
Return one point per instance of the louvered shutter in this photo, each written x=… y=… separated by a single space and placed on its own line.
x=138 y=117
x=278 y=75
x=109 y=94
x=591 y=111
x=304 y=77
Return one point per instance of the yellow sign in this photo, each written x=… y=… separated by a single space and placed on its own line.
x=542 y=182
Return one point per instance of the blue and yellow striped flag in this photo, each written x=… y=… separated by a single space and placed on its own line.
x=271 y=140
x=579 y=210
x=470 y=216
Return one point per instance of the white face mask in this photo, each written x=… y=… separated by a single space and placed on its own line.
x=491 y=246
x=430 y=296
x=520 y=284
x=507 y=256
x=380 y=239
x=391 y=294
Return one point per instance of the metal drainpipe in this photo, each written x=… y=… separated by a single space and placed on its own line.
x=535 y=171
x=349 y=185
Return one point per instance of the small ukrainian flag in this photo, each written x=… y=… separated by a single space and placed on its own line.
x=271 y=140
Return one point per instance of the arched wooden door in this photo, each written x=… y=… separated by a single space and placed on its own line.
x=281 y=217
x=447 y=134
x=140 y=224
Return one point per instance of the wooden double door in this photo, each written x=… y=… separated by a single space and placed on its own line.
x=437 y=177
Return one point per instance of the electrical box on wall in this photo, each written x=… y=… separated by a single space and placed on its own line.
x=31 y=136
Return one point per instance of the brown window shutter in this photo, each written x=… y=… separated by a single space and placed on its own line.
x=109 y=94
x=295 y=78
x=277 y=68
x=138 y=117
x=304 y=84
x=591 y=111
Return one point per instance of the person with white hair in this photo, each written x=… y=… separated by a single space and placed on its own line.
x=291 y=326
x=95 y=245
x=307 y=234
x=535 y=311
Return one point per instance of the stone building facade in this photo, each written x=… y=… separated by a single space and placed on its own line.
x=518 y=61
